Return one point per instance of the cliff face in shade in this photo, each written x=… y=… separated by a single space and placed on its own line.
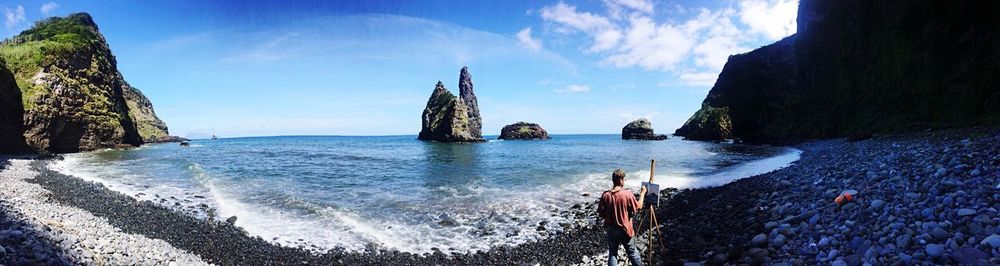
x=151 y=128
x=468 y=95
x=523 y=131
x=74 y=97
x=446 y=118
x=858 y=67
x=11 y=115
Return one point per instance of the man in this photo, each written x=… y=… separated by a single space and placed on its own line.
x=616 y=208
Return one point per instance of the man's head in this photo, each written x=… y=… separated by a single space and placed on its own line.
x=618 y=177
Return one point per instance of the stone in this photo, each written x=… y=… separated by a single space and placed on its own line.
x=523 y=131
x=992 y=241
x=231 y=220
x=758 y=255
x=965 y=212
x=823 y=242
x=940 y=234
x=903 y=241
x=969 y=256
x=778 y=241
x=877 y=204
x=640 y=129
x=934 y=250
x=759 y=240
x=448 y=118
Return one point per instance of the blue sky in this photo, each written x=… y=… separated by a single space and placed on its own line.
x=254 y=68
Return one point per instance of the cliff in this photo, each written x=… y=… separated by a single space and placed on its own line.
x=468 y=95
x=73 y=95
x=446 y=118
x=11 y=114
x=861 y=67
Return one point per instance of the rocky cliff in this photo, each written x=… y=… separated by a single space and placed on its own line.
x=641 y=129
x=11 y=114
x=74 y=97
x=861 y=67
x=446 y=118
x=151 y=128
x=468 y=95
x=523 y=131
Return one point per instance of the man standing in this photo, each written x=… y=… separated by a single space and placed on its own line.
x=616 y=208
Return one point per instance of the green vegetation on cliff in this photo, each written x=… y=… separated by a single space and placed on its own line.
x=73 y=94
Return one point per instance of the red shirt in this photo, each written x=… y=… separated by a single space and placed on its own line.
x=615 y=208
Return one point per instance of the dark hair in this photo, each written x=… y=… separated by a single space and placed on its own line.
x=618 y=174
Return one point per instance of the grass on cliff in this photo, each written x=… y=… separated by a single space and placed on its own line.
x=43 y=44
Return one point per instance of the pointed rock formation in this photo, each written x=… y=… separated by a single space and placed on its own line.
x=74 y=97
x=641 y=129
x=11 y=115
x=446 y=118
x=523 y=131
x=468 y=95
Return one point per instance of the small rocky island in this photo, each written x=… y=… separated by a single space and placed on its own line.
x=523 y=131
x=448 y=118
x=641 y=129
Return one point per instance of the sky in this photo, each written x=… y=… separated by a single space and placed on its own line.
x=262 y=68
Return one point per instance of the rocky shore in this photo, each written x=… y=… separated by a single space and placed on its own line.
x=923 y=198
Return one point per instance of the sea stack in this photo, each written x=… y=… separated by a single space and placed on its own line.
x=641 y=129
x=523 y=131
x=468 y=96
x=446 y=117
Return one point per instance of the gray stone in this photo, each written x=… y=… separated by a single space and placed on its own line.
x=778 y=241
x=877 y=204
x=231 y=220
x=966 y=212
x=940 y=234
x=903 y=241
x=993 y=241
x=823 y=242
x=934 y=250
x=759 y=240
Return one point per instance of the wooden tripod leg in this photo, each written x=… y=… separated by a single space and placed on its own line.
x=649 y=239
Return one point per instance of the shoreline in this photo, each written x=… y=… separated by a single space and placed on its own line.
x=742 y=212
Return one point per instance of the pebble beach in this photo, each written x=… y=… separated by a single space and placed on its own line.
x=919 y=198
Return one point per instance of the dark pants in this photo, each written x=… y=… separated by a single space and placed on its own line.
x=618 y=237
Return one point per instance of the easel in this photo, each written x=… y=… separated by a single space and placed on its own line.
x=654 y=230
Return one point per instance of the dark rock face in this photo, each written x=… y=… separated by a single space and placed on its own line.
x=641 y=129
x=75 y=98
x=167 y=139
x=446 y=118
x=863 y=66
x=523 y=131
x=11 y=114
x=468 y=95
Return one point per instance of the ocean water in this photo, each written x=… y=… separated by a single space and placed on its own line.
x=401 y=193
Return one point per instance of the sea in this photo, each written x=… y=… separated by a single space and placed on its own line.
x=396 y=192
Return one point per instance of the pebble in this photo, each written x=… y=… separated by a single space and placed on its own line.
x=966 y=212
x=992 y=241
x=759 y=240
x=934 y=250
x=877 y=205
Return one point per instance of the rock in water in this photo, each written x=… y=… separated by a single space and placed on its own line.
x=468 y=95
x=524 y=131
x=11 y=114
x=231 y=220
x=446 y=118
x=641 y=129
x=74 y=96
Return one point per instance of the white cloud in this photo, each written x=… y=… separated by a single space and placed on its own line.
x=270 y=50
x=13 y=16
x=706 y=79
x=606 y=35
x=644 y=6
x=693 y=49
x=574 y=88
x=774 y=18
x=47 y=8
x=524 y=38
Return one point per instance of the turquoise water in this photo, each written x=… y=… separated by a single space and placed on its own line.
x=402 y=193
